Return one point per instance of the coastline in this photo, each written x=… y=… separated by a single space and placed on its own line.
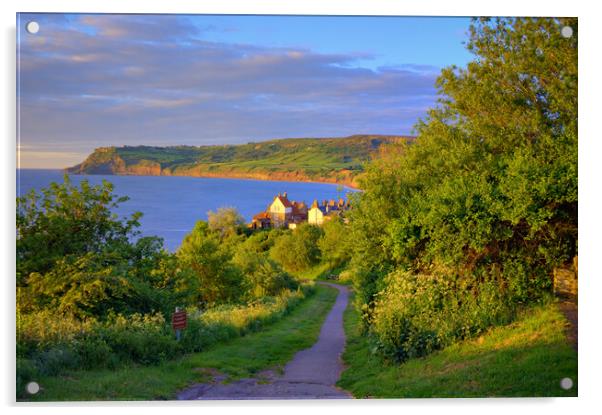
x=241 y=176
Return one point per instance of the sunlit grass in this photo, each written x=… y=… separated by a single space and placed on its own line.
x=526 y=358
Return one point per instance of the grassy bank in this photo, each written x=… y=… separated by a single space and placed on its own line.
x=526 y=358
x=244 y=356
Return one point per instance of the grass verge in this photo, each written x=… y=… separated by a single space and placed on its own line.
x=527 y=358
x=240 y=357
x=324 y=272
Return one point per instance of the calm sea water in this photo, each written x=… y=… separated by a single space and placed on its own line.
x=172 y=205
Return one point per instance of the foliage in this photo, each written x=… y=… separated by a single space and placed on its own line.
x=417 y=314
x=226 y=221
x=487 y=195
x=76 y=257
x=298 y=250
x=262 y=275
x=66 y=220
x=270 y=279
x=204 y=255
x=49 y=344
x=229 y=321
x=335 y=245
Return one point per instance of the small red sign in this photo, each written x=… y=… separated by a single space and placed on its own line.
x=178 y=320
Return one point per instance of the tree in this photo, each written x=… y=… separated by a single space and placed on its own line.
x=210 y=261
x=334 y=244
x=74 y=255
x=298 y=250
x=68 y=220
x=489 y=188
x=262 y=275
x=226 y=221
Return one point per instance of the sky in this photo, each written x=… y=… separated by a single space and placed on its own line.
x=92 y=80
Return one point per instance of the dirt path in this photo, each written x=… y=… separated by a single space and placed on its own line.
x=570 y=310
x=311 y=374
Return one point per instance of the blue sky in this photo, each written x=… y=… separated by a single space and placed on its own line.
x=87 y=81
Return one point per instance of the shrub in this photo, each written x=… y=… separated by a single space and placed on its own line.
x=139 y=338
x=225 y=322
x=57 y=359
x=335 y=245
x=94 y=352
x=269 y=279
x=49 y=345
x=298 y=250
x=208 y=260
x=45 y=329
x=417 y=314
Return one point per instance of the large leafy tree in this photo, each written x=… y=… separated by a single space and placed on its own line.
x=298 y=250
x=75 y=255
x=68 y=220
x=489 y=189
x=204 y=254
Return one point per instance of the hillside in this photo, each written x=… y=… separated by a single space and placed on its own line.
x=332 y=160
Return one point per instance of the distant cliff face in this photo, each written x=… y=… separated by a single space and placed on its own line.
x=330 y=160
x=106 y=160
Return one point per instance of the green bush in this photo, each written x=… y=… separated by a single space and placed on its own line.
x=269 y=279
x=417 y=314
x=298 y=250
x=57 y=359
x=335 y=245
x=144 y=339
x=48 y=345
x=208 y=258
x=94 y=352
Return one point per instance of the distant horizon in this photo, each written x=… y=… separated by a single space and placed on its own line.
x=85 y=80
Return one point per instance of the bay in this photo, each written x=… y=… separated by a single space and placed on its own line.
x=172 y=205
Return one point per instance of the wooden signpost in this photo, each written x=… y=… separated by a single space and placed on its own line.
x=178 y=322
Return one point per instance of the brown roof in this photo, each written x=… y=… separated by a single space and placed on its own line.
x=299 y=208
x=284 y=200
x=262 y=215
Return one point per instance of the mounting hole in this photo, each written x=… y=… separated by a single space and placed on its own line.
x=566 y=31
x=32 y=388
x=32 y=27
x=566 y=383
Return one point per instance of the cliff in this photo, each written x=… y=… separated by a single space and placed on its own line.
x=330 y=160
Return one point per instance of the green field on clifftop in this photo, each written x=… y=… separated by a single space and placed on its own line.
x=320 y=159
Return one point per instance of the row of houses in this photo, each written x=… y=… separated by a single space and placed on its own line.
x=285 y=213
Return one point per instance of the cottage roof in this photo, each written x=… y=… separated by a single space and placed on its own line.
x=262 y=215
x=299 y=209
x=284 y=200
x=300 y=205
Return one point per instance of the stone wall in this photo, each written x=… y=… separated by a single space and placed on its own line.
x=566 y=280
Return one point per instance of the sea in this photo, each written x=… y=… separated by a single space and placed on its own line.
x=172 y=205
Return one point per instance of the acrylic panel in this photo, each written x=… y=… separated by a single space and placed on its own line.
x=226 y=207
